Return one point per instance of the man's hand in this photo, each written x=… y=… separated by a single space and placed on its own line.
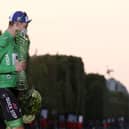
x=23 y=63
x=20 y=66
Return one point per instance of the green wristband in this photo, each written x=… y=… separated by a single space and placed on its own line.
x=14 y=123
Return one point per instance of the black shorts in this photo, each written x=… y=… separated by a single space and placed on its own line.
x=9 y=105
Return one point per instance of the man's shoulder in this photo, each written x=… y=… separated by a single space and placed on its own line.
x=3 y=40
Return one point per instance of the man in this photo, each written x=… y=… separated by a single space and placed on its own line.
x=9 y=67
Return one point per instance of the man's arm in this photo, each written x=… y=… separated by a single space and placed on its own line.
x=3 y=50
x=3 y=47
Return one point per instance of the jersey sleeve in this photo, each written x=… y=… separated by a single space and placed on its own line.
x=3 y=51
x=3 y=47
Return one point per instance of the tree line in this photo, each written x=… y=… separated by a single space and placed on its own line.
x=66 y=87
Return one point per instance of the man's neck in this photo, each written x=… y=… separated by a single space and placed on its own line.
x=11 y=31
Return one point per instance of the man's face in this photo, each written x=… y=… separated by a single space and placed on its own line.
x=20 y=26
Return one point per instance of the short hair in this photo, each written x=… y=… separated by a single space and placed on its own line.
x=0 y=32
x=11 y=23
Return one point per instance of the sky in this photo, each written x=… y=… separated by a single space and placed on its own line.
x=95 y=30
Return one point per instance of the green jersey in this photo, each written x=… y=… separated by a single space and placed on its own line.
x=7 y=61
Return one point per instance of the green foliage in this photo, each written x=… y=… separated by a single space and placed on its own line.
x=60 y=79
x=117 y=104
x=65 y=87
x=96 y=91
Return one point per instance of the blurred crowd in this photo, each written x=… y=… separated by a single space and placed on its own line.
x=53 y=120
